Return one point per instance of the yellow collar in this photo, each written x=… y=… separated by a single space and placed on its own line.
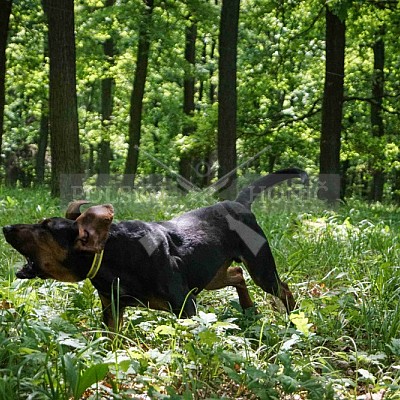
x=95 y=265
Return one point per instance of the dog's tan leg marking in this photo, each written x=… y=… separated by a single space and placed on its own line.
x=158 y=304
x=108 y=314
x=232 y=276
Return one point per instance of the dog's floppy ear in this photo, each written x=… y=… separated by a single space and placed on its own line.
x=93 y=226
x=74 y=209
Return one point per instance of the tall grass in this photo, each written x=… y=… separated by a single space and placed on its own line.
x=342 y=342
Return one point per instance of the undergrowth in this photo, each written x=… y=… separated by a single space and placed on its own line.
x=342 y=342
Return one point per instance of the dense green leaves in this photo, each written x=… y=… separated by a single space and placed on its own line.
x=342 y=341
x=281 y=60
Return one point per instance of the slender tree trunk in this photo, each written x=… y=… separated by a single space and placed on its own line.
x=227 y=96
x=378 y=128
x=64 y=134
x=104 y=151
x=42 y=145
x=212 y=87
x=332 y=108
x=188 y=94
x=207 y=173
x=345 y=182
x=203 y=61
x=212 y=91
x=396 y=187
x=5 y=11
x=211 y=154
x=137 y=95
x=40 y=167
x=107 y=85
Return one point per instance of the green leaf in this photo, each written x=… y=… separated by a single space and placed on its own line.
x=289 y=384
x=208 y=337
x=70 y=371
x=395 y=346
x=223 y=325
x=165 y=330
x=301 y=322
x=287 y=345
x=232 y=374
x=206 y=318
x=366 y=375
x=89 y=377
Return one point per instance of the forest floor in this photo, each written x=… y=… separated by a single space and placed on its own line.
x=342 y=342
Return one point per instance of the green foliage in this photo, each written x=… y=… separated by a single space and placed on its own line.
x=342 y=341
x=281 y=54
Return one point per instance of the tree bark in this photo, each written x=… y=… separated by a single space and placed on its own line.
x=42 y=146
x=107 y=104
x=40 y=166
x=64 y=134
x=396 y=187
x=332 y=108
x=377 y=125
x=137 y=95
x=188 y=94
x=227 y=96
x=5 y=11
x=211 y=93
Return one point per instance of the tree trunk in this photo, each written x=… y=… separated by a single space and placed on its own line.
x=345 y=181
x=104 y=154
x=227 y=96
x=107 y=85
x=5 y=11
x=396 y=187
x=204 y=61
x=40 y=166
x=212 y=90
x=332 y=108
x=378 y=128
x=42 y=146
x=64 y=134
x=137 y=95
x=204 y=164
x=188 y=94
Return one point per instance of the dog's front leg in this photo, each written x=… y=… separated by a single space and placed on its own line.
x=112 y=314
x=262 y=268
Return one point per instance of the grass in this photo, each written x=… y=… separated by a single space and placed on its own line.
x=343 y=341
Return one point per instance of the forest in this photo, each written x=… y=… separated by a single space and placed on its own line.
x=306 y=83
x=165 y=106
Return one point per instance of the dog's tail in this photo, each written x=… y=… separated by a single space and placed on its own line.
x=248 y=194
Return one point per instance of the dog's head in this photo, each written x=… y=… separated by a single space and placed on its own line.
x=48 y=244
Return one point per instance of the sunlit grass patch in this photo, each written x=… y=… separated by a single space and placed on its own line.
x=342 y=342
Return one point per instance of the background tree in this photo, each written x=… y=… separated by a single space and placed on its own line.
x=43 y=137
x=107 y=85
x=40 y=166
x=227 y=96
x=136 y=102
x=280 y=85
x=377 y=124
x=65 y=149
x=5 y=11
x=188 y=91
x=332 y=106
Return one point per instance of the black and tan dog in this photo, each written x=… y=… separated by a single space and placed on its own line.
x=162 y=265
